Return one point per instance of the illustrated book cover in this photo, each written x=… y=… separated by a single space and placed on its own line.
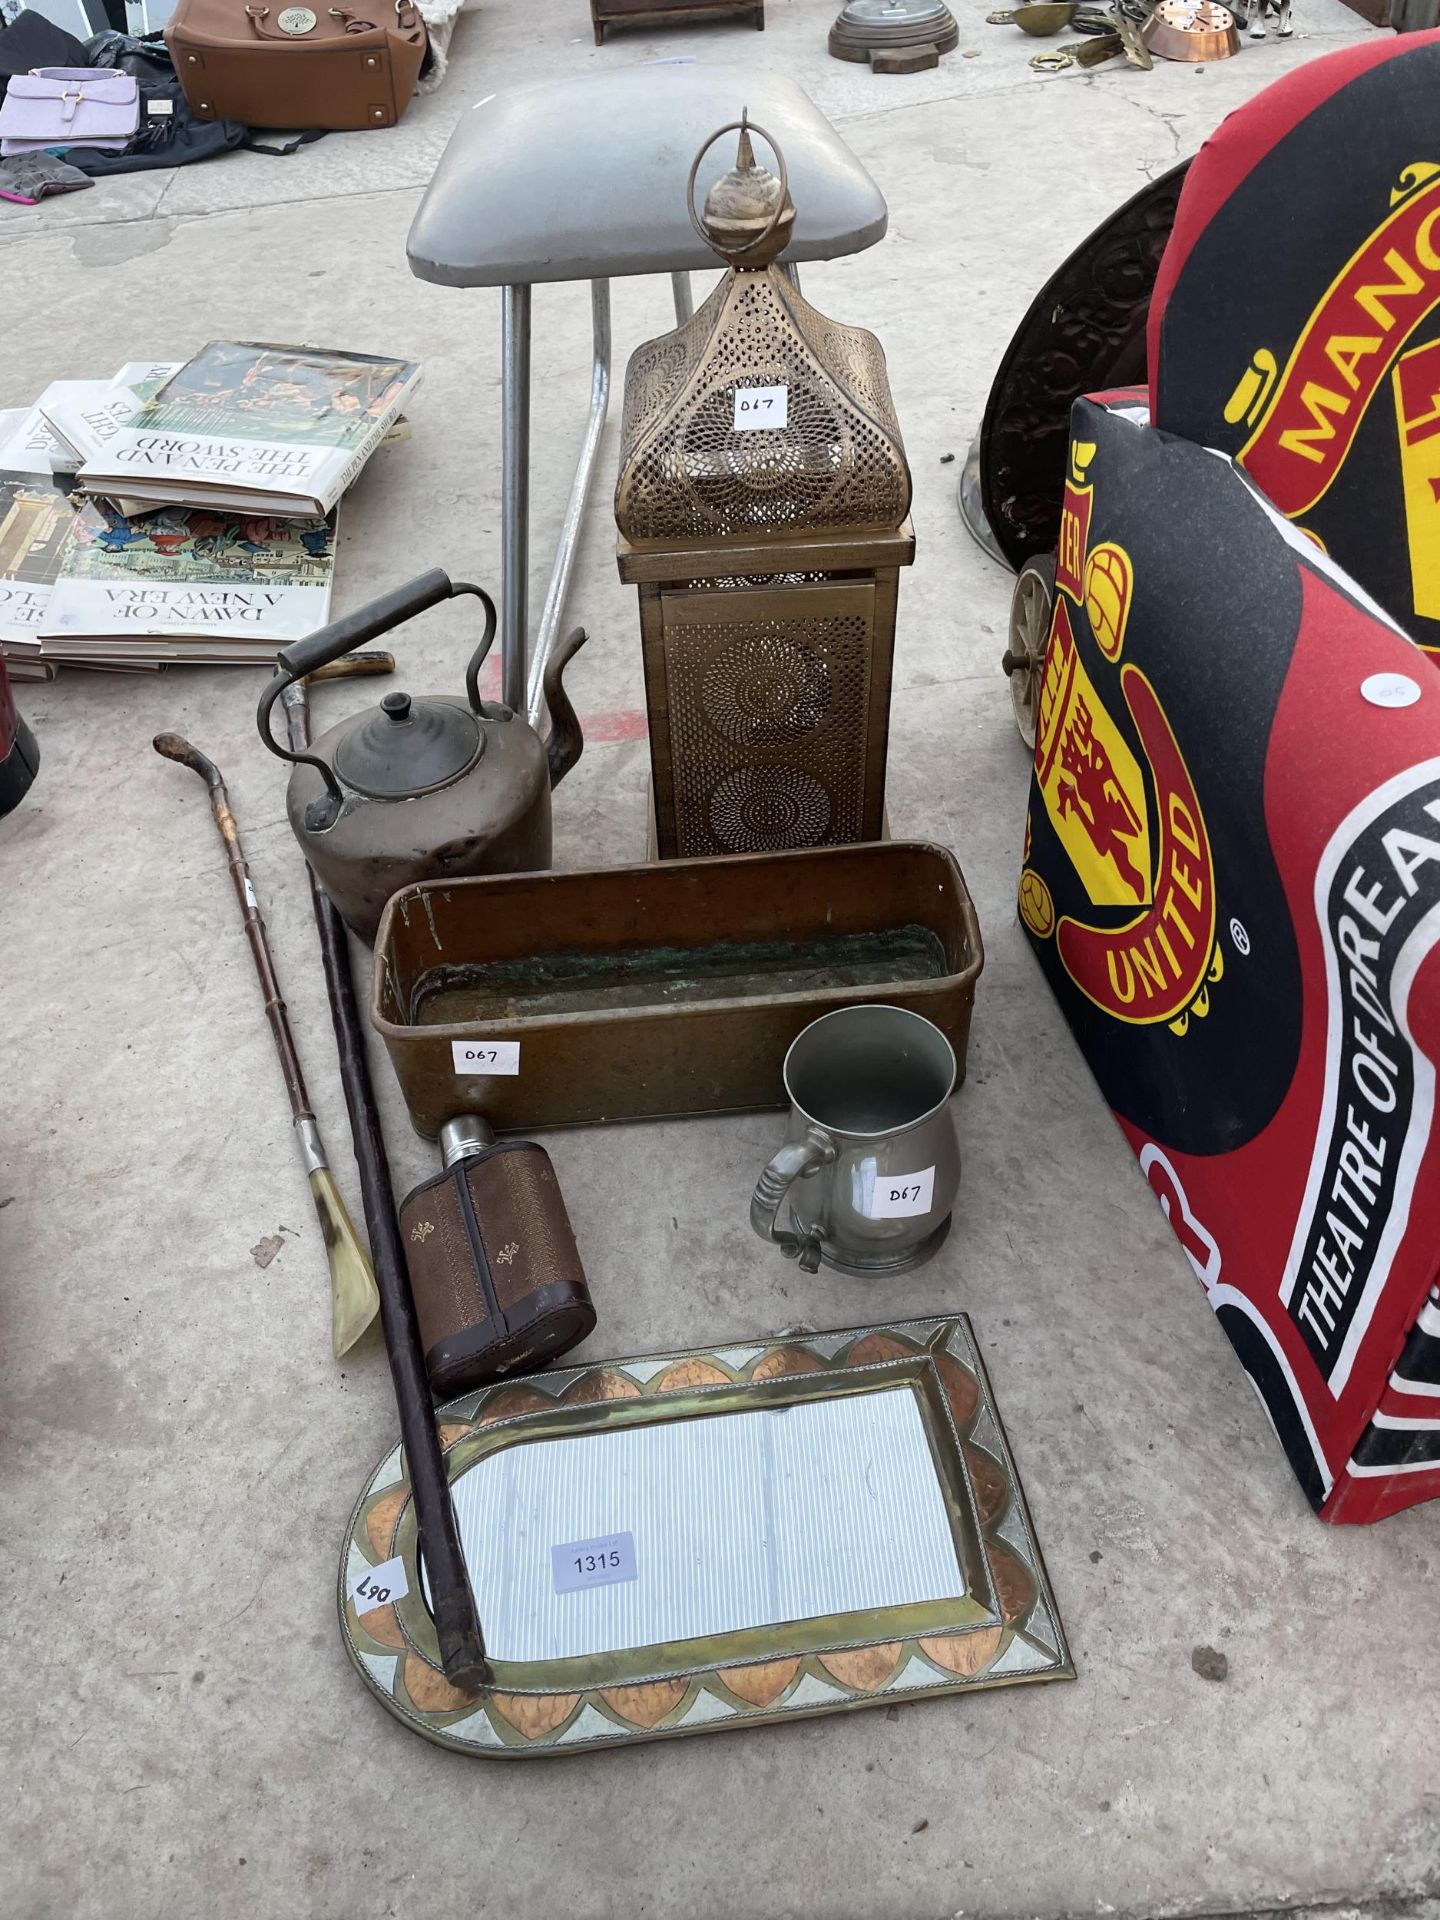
x=259 y=428
x=187 y=586
x=35 y=520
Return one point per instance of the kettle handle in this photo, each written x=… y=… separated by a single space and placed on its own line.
x=366 y=623
x=355 y=630
x=477 y=659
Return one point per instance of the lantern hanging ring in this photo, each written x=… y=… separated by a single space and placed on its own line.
x=744 y=126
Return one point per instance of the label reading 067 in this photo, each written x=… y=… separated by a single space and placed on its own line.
x=761 y=409
x=898 y=1196
x=486 y=1056
x=593 y=1563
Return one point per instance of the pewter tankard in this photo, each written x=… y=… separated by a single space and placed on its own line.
x=870 y=1165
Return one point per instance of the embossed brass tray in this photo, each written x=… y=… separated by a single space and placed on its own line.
x=803 y=1525
x=1084 y=333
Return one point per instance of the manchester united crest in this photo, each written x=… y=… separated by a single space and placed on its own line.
x=1130 y=823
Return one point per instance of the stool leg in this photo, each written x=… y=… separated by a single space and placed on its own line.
x=575 y=508
x=684 y=304
x=514 y=494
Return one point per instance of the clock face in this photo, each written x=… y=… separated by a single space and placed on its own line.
x=864 y=13
x=1196 y=16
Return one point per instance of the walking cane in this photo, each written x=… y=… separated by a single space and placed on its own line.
x=452 y=1604
x=353 y=1295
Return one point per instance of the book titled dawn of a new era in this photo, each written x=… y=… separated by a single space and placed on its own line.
x=262 y=429
x=186 y=585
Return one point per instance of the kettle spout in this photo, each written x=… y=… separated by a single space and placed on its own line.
x=566 y=742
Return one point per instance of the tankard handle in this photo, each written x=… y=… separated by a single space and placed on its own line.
x=797 y=1157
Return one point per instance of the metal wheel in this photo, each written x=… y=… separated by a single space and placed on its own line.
x=1031 y=605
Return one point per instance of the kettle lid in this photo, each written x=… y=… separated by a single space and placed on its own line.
x=404 y=747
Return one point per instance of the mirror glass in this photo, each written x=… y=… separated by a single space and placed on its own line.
x=685 y=1528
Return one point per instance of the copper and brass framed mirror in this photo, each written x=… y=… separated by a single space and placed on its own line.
x=685 y=1542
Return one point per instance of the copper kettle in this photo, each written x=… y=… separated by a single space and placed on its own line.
x=421 y=789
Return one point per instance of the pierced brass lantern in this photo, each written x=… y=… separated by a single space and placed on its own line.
x=763 y=506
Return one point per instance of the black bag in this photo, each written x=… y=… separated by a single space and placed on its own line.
x=171 y=137
x=33 y=41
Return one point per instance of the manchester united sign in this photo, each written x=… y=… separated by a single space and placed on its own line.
x=1232 y=881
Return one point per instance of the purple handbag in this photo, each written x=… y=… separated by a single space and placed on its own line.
x=69 y=107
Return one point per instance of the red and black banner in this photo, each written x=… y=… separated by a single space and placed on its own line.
x=1232 y=883
x=1296 y=317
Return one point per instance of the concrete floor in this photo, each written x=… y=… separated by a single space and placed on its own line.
x=185 y=1735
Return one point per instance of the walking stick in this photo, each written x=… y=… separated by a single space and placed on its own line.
x=452 y=1604
x=353 y=1296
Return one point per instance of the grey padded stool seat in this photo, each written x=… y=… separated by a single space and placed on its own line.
x=584 y=179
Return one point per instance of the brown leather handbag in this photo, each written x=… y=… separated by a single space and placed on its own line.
x=335 y=68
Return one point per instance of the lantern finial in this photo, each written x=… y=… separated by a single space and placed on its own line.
x=744 y=152
x=748 y=214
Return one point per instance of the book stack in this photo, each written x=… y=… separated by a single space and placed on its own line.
x=184 y=512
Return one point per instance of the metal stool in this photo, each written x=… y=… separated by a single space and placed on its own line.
x=584 y=179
